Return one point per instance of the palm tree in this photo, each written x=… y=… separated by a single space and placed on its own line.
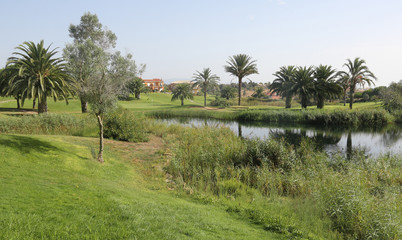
x=325 y=85
x=182 y=91
x=358 y=74
x=206 y=80
x=40 y=74
x=241 y=65
x=304 y=84
x=283 y=83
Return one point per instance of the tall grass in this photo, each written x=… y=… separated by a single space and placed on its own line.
x=360 y=118
x=66 y=124
x=360 y=197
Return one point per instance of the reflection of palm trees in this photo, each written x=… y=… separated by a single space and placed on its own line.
x=349 y=149
x=294 y=137
x=239 y=130
x=391 y=136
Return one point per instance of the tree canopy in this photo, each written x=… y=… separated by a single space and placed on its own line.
x=35 y=72
x=241 y=65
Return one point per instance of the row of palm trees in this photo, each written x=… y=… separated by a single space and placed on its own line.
x=321 y=83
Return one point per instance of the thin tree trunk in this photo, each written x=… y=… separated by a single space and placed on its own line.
x=240 y=79
x=34 y=103
x=351 y=97
x=344 y=99
x=18 y=102
x=42 y=105
x=84 y=105
x=182 y=101
x=205 y=98
x=100 y=154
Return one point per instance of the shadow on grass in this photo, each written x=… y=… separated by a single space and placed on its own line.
x=28 y=145
x=21 y=110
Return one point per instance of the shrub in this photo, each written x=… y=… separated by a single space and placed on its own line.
x=125 y=125
x=220 y=102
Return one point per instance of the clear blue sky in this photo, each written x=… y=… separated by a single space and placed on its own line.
x=175 y=38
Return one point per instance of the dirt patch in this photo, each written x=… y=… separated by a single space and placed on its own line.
x=137 y=152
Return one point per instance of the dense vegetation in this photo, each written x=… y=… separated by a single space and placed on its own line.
x=359 y=196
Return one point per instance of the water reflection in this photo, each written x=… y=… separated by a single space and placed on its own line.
x=334 y=139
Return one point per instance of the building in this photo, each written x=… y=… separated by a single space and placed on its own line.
x=156 y=84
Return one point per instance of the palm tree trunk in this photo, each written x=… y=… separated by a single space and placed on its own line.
x=240 y=79
x=182 y=101
x=84 y=105
x=320 y=102
x=205 y=98
x=303 y=101
x=100 y=122
x=288 y=100
x=351 y=97
x=42 y=105
x=34 y=103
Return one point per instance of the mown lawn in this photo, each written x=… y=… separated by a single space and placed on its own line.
x=52 y=188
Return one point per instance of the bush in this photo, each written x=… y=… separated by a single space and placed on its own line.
x=220 y=102
x=125 y=125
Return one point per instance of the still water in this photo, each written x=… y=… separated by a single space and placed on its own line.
x=374 y=142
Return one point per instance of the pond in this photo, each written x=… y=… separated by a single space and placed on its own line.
x=374 y=142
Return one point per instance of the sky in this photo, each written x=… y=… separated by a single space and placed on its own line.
x=176 y=38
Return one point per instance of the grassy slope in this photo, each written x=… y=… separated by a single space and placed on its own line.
x=50 y=187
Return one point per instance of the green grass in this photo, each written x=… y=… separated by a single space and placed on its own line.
x=52 y=188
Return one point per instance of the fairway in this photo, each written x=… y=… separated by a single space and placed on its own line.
x=52 y=188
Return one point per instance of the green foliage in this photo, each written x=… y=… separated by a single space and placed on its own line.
x=125 y=125
x=357 y=74
x=228 y=92
x=182 y=91
x=35 y=73
x=283 y=83
x=220 y=102
x=49 y=124
x=360 y=199
x=259 y=92
x=206 y=80
x=241 y=65
x=392 y=97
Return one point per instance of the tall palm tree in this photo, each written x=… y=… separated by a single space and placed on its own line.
x=182 y=91
x=304 y=84
x=241 y=65
x=283 y=83
x=40 y=74
x=205 y=80
x=325 y=84
x=358 y=74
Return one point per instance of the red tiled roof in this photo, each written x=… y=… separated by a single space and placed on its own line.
x=153 y=80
